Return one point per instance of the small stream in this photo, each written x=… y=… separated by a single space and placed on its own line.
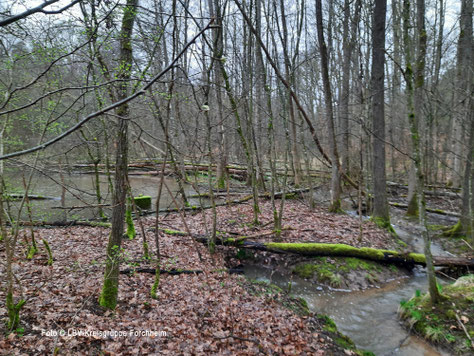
x=368 y=317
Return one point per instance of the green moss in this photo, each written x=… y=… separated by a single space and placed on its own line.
x=384 y=223
x=344 y=342
x=324 y=249
x=434 y=227
x=330 y=272
x=305 y=270
x=221 y=183
x=456 y=230
x=13 y=312
x=329 y=324
x=156 y=284
x=108 y=296
x=100 y=224
x=357 y=263
x=143 y=202
x=50 y=255
x=402 y=243
x=174 y=232
x=131 y=233
x=336 y=208
x=146 y=251
x=31 y=252
x=412 y=209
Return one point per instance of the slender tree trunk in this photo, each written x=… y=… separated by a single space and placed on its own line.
x=466 y=117
x=108 y=297
x=348 y=47
x=466 y=219
x=413 y=120
x=222 y=137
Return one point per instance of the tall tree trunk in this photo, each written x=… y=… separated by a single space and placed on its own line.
x=108 y=297
x=466 y=115
x=413 y=120
x=221 y=170
x=335 y=167
x=464 y=227
x=380 y=209
x=348 y=47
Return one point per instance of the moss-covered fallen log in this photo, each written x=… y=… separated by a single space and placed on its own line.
x=341 y=250
x=379 y=255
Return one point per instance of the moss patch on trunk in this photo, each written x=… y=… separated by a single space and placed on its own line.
x=143 y=202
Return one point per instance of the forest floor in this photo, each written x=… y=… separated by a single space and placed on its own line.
x=212 y=312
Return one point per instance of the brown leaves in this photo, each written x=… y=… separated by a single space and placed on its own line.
x=209 y=313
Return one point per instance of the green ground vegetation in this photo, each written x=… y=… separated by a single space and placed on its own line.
x=384 y=224
x=449 y=323
x=332 y=270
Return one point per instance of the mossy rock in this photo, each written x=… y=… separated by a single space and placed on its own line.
x=143 y=202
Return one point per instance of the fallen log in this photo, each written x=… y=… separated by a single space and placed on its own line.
x=16 y=196
x=427 y=186
x=341 y=250
x=91 y=206
x=173 y=272
x=66 y=223
x=434 y=211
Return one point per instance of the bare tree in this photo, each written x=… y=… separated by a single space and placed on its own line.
x=380 y=210
x=109 y=294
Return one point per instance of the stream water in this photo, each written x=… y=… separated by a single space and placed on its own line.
x=368 y=317
x=80 y=192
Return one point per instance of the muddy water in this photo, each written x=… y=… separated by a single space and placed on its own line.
x=369 y=317
x=80 y=191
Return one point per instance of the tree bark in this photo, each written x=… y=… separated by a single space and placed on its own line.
x=413 y=120
x=380 y=209
x=109 y=294
x=333 y=154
